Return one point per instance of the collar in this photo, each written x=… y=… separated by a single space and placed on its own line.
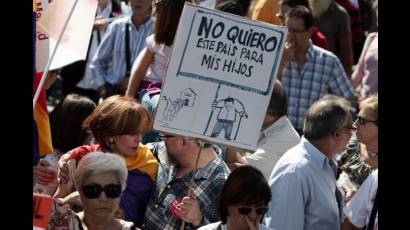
x=144 y=26
x=317 y=156
x=310 y=51
x=273 y=128
x=207 y=170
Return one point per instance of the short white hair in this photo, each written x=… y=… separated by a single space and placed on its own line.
x=97 y=163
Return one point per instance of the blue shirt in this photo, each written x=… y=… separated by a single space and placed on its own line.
x=303 y=186
x=321 y=74
x=108 y=64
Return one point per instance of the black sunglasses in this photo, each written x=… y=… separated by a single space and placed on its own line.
x=362 y=120
x=246 y=210
x=92 y=191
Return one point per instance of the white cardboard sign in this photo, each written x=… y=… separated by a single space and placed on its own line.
x=220 y=77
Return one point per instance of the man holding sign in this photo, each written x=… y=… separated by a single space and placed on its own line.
x=169 y=204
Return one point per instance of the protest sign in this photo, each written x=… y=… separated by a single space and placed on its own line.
x=219 y=77
x=41 y=210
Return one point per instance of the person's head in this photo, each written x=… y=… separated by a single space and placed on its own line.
x=232 y=7
x=328 y=118
x=167 y=13
x=118 y=124
x=66 y=122
x=345 y=103
x=299 y=21
x=100 y=178
x=178 y=146
x=244 y=194
x=367 y=122
x=140 y=7
x=319 y=6
x=286 y=5
x=278 y=103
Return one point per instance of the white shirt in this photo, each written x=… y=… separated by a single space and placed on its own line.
x=359 y=208
x=275 y=140
x=162 y=52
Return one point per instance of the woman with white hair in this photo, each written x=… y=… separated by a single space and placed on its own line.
x=100 y=179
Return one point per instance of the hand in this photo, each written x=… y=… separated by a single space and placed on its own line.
x=251 y=226
x=288 y=52
x=190 y=211
x=213 y=106
x=63 y=171
x=44 y=173
x=100 y=24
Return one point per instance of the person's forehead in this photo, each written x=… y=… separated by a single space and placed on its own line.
x=295 y=22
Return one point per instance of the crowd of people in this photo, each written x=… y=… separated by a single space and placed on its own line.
x=315 y=166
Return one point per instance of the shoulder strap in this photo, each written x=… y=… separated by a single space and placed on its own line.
x=127 y=49
x=372 y=219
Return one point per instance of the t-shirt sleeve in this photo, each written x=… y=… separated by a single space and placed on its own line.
x=151 y=44
x=359 y=207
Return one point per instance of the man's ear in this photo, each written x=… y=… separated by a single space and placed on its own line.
x=310 y=31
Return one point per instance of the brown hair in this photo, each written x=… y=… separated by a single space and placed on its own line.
x=168 y=13
x=66 y=122
x=245 y=185
x=118 y=115
x=372 y=103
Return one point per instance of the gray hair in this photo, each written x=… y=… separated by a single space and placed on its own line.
x=97 y=163
x=324 y=117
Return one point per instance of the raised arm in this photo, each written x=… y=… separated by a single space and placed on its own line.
x=138 y=71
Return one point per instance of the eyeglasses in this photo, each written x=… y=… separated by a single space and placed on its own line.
x=164 y=136
x=363 y=121
x=246 y=210
x=92 y=191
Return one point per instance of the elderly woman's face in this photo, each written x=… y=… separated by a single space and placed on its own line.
x=239 y=213
x=366 y=129
x=102 y=206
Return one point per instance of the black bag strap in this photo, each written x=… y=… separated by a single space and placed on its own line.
x=372 y=219
x=127 y=50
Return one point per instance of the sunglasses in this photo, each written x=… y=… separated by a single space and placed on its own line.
x=246 y=210
x=362 y=120
x=92 y=191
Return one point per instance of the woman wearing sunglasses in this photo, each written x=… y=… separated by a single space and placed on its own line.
x=100 y=179
x=362 y=210
x=243 y=201
x=117 y=125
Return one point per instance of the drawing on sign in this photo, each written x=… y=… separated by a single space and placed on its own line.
x=172 y=107
x=229 y=108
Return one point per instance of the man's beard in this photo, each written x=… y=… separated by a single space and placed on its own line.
x=319 y=7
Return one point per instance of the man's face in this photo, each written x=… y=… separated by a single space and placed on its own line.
x=298 y=36
x=173 y=145
x=141 y=7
